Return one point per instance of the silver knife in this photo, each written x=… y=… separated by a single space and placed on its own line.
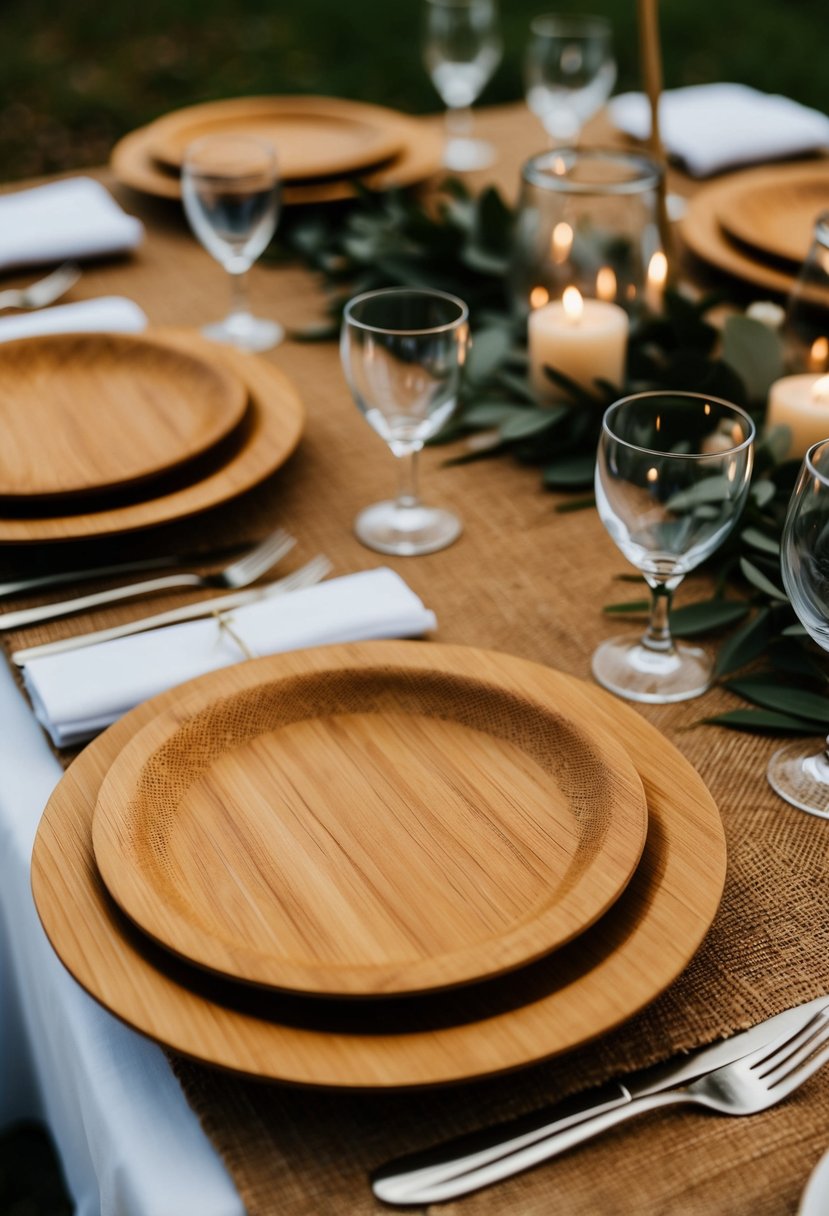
x=467 y=1163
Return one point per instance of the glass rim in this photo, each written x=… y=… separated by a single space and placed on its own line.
x=637 y=447
x=406 y=331
x=809 y=461
x=647 y=173
x=821 y=228
x=216 y=137
x=574 y=24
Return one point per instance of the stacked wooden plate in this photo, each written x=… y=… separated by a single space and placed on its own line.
x=109 y=433
x=378 y=865
x=757 y=225
x=327 y=148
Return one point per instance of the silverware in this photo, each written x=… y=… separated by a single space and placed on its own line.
x=240 y=573
x=307 y=575
x=466 y=1164
x=43 y=291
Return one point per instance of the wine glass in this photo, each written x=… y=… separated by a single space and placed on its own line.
x=796 y=772
x=230 y=188
x=402 y=351
x=461 y=50
x=569 y=72
x=672 y=474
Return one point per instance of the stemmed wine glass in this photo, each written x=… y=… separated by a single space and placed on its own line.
x=461 y=50
x=672 y=474
x=569 y=72
x=230 y=188
x=796 y=772
x=402 y=352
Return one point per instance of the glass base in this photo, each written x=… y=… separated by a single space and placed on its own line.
x=463 y=155
x=624 y=666
x=406 y=531
x=801 y=777
x=245 y=332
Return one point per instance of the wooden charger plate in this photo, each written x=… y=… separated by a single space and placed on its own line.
x=774 y=210
x=419 y=156
x=266 y=437
x=86 y=413
x=581 y=991
x=312 y=136
x=369 y=830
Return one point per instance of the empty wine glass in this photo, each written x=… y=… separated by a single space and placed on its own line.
x=402 y=352
x=796 y=771
x=672 y=474
x=461 y=50
x=230 y=188
x=569 y=72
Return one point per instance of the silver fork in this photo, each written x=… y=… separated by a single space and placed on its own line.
x=240 y=573
x=43 y=291
x=746 y=1086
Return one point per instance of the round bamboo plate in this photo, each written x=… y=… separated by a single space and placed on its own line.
x=369 y=831
x=268 y=434
x=774 y=210
x=87 y=413
x=583 y=990
x=312 y=136
x=421 y=150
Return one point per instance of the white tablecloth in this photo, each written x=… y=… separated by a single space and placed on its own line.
x=128 y=1141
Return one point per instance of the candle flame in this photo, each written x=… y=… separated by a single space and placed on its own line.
x=573 y=304
x=658 y=270
x=819 y=355
x=539 y=296
x=820 y=389
x=562 y=242
x=606 y=284
x=653 y=475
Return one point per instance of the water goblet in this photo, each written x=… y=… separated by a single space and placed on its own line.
x=672 y=475
x=569 y=72
x=461 y=50
x=230 y=189
x=796 y=772
x=402 y=352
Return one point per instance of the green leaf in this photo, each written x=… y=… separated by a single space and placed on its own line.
x=759 y=580
x=795 y=631
x=575 y=504
x=321 y=331
x=488 y=350
x=745 y=644
x=791 y=656
x=569 y=471
x=710 y=489
x=762 y=492
x=767 y=691
x=759 y=540
x=755 y=352
x=484 y=260
x=487 y=413
x=628 y=606
x=524 y=423
x=762 y=720
x=694 y=619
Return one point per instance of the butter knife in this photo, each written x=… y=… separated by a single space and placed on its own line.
x=468 y=1163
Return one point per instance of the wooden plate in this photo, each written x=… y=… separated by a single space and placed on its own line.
x=369 y=830
x=421 y=150
x=583 y=990
x=312 y=136
x=774 y=210
x=267 y=436
x=86 y=413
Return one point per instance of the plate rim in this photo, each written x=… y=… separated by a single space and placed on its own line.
x=733 y=226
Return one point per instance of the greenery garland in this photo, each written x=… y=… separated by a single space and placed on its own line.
x=461 y=244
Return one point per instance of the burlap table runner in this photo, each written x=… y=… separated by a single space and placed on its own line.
x=526 y=580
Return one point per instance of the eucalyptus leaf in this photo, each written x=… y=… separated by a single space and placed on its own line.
x=791 y=656
x=755 y=352
x=759 y=540
x=638 y=606
x=795 y=631
x=711 y=489
x=745 y=644
x=524 y=423
x=767 y=691
x=705 y=616
x=570 y=471
x=574 y=504
x=763 y=492
x=488 y=350
x=487 y=413
x=762 y=720
x=759 y=580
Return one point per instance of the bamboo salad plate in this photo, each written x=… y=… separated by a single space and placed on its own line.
x=581 y=991
x=368 y=830
x=88 y=413
x=774 y=210
x=268 y=433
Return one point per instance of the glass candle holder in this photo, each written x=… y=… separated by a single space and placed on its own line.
x=806 y=327
x=588 y=218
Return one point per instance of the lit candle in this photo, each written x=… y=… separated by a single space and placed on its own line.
x=657 y=277
x=584 y=339
x=800 y=403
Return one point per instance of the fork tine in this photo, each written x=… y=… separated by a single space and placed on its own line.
x=264 y=554
x=816 y=1034
x=769 y=1057
x=801 y=1074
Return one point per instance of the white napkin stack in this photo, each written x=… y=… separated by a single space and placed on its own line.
x=106 y=314
x=78 y=693
x=75 y=218
x=711 y=127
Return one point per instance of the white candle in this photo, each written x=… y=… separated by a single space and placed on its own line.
x=584 y=339
x=802 y=404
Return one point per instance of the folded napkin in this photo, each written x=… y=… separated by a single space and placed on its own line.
x=106 y=314
x=75 y=218
x=78 y=693
x=710 y=127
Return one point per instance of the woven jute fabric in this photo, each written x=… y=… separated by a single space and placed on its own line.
x=529 y=581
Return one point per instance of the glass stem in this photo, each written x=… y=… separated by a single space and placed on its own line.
x=459 y=122
x=407 y=491
x=239 y=293
x=657 y=636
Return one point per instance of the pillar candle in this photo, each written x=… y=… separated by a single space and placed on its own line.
x=584 y=339
x=802 y=404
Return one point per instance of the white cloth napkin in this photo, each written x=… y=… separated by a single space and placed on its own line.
x=710 y=127
x=78 y=693
x=75 y=218
x=106 y=314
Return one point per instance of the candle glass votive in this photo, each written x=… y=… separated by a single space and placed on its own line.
x=806 y=326
x=587 y=218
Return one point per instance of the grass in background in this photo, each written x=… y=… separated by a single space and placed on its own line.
x=77 y=74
